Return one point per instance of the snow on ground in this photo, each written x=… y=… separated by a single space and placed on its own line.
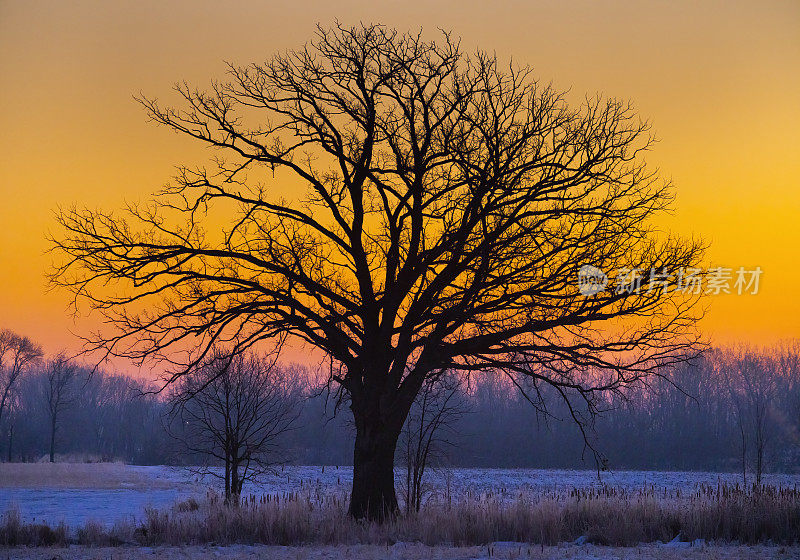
x=403 y=551
x=75 y=507
x=76 y=493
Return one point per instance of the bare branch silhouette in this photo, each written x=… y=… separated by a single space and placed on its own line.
x=449 y=205
x=232 y=411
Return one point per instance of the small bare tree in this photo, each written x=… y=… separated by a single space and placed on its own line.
x=233 y=409
x=751 y=381
x=12 y=414
x=17 y=354
x=428 y=432
x=761 y=387
x=61 y=382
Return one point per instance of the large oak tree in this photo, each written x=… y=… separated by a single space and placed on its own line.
x=405 y=209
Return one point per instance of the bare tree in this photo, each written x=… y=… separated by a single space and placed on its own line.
x=62 y=376
x=752 y=383
x=450 y=206
x=13 y=405
x=428 y=431
x=233 y=410
x=788 y=362
x=17 y=354
x=740 y=412
x=760 y=382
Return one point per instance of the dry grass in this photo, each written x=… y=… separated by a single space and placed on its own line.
x=74 y=475
x=608 y=517
x=13 y=532
x=605 y=517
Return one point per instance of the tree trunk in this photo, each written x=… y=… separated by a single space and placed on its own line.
x=408 y=471
x=759 y=460
x=236 y=482
x=227 y=479
x=373 y=497
x=744 y=453
x=53 y=440
x=10 y=440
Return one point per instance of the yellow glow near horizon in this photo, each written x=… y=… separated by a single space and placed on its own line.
x=720 y=82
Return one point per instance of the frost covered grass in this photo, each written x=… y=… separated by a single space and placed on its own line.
x=408 y=551
x=606 y=516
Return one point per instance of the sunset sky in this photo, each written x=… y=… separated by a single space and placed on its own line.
x=719 y=81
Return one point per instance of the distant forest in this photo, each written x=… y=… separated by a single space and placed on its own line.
x=731 y=406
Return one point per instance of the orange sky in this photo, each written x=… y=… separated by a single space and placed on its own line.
x=720 y=82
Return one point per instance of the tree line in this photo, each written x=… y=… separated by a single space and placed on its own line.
x=735 y=409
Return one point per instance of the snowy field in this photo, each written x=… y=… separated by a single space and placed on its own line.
x=107 y=493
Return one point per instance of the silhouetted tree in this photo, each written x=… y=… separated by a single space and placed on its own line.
x=234 y=410
x=428 y=431
x=752 y=381
x=60 y=391
x=449 y=207
x=13 y=413
x=17 y=354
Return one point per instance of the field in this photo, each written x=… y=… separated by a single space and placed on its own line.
x=471 y=513
x=110 y=492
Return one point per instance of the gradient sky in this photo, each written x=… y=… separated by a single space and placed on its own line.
x=719 y=81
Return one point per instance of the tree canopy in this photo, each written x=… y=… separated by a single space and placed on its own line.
x=447 y=204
